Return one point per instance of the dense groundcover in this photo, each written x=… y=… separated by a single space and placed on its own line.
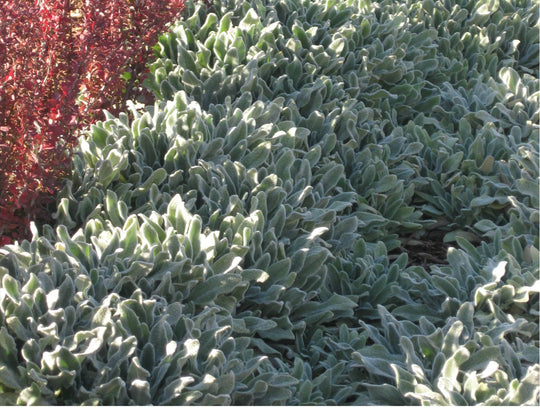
x=331 y=202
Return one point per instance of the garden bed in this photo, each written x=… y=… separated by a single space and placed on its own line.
x=329 y=203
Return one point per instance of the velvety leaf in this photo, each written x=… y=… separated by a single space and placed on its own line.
x=215 y=285
x=11 y=287
x=9 y=378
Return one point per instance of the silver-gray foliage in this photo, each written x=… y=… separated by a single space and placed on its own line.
x=241 y=240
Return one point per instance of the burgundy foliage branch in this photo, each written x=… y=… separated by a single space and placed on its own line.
x=61 y=63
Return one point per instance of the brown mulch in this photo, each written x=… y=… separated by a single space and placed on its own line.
x=426 y=251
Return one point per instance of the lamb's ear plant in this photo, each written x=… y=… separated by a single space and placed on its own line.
x=258 y=235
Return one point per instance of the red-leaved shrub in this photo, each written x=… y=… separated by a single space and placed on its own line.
x=61 y=63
